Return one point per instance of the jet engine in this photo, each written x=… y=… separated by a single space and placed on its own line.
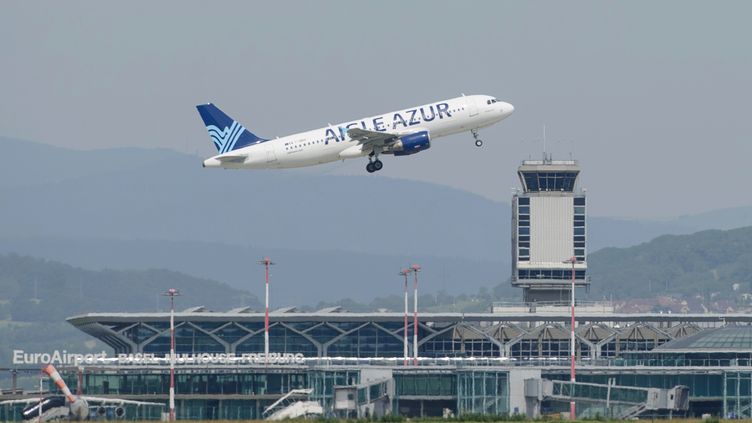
x=119 y=413
x=411 y=144
x=79 y=410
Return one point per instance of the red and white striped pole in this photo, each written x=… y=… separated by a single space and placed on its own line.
x=77 y=406
x=59 y=382
x=415 y=269
x=405 y=273
x=266 y=262
x=172 y=292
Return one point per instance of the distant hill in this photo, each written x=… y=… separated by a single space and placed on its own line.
x=702 y=264
x=33 y=290
x=301 y=277
x=332 y=235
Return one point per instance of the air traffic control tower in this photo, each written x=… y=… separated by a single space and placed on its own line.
x=548 y=228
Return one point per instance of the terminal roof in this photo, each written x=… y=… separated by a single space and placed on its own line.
x=729 y=338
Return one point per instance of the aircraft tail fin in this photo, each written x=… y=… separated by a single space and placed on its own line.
x=226 y=133
x=55 y=376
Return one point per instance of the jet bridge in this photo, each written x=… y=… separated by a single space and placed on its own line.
x=293 y=405
x=366 y=400
x=613 y=401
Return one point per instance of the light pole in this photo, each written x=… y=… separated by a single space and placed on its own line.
x=172 y=293
x=41 y=395
x=415 y=269
x=266 y=262
x=572 y=371
x=405 y=273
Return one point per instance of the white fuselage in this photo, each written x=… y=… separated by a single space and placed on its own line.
x=327 y=144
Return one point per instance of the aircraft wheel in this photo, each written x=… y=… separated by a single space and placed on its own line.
x=370 y=168
x=377 y=165
x=479 y=143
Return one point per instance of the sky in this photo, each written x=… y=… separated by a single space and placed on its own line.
x=653 y=98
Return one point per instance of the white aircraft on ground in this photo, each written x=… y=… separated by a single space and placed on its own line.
x=69 y=406
x=400 y=133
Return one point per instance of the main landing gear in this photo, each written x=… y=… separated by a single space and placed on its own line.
x=478 y=141
x=374 y=165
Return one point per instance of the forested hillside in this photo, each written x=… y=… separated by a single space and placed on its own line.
x=706 y=263
x=33 y=289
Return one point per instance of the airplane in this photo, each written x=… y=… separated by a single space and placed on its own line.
x=69 y=406
x=400 y=133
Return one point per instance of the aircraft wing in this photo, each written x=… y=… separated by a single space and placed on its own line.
x=365 y=136
x=118 y=401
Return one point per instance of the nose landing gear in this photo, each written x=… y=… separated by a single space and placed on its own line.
x=478 y=141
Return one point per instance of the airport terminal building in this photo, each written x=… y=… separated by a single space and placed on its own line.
x=485 y=363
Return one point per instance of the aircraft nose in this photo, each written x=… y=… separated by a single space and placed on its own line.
x=506 y=108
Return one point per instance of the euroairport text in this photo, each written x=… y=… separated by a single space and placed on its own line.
x=21 y=357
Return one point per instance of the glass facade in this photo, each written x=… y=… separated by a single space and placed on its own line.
x=580 y=231
x=463 y=392
x=198 y=382
x=425 y=384
x=557 y=274
x=371 y=340
x=523 y=228
x=312 y=339
x=188 y=339
x=548 y=348
x=634 y=338
x=281 y=340
x=737 y=395
x=482 y=392
x=384 y=338
x=549 y=181
x=460 y=341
